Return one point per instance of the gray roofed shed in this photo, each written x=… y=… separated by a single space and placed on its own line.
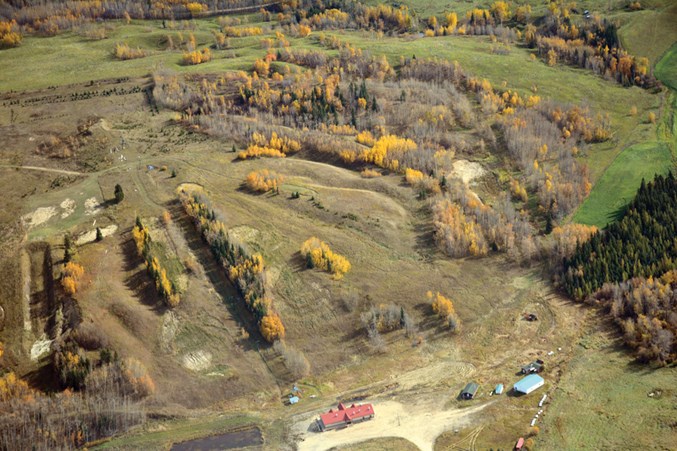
x=470 y=390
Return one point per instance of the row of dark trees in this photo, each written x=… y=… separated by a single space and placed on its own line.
x=642 y=244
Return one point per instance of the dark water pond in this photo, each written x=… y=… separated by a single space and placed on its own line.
x=230 y=440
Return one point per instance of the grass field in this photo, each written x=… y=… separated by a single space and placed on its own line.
x=666 y=69
x=649 y=32
x=70 y=58
x=603 y=401
x=619 y=183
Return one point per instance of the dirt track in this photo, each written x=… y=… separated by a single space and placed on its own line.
x=419 y=423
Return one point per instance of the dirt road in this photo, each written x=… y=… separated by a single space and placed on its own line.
x=37 y=168
x=415 y=423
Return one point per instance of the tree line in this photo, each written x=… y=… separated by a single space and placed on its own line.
x=166 y=288
x=245 y=271
x=643 y=243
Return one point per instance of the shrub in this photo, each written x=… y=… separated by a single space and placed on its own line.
x=263 y=180
x=122 y=51
x=318 y=255
x=197 y=57
x=272 y=328
x=370 y=173
x=295 y=361
x=9 y=34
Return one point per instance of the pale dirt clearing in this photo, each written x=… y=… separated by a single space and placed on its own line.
x=467 y=170
x=40 y=348
x=89 y=237
x=92 y=206
x=418 y=423
x=197 y=360
x=39 y=216
x=68 y=207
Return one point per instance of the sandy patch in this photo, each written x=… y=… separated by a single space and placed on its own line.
x=467 y=170
x=40 y=348
x=89 y=237
x=417 y=423
x=92 y=206
x=104 y=124
x=170 y=326
x=68 y=207
x=189 y=187
x=39 y=216
x=244 y=234
x=197 y=360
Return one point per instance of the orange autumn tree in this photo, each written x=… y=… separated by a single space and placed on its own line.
x=72 y=274
x=318 y=255
x=271 y=327
x=444 y=309
x=263 y=180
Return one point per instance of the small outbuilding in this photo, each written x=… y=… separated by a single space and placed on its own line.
x=528 y=384
x=519 y=444
x=293 y=399
x=470 y=390
x=533 y=367
x=499 y=389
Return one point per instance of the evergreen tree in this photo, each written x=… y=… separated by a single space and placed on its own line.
x=99 y=235
x=119 y=194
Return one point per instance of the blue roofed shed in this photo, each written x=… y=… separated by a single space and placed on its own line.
x=293 y=399
x=528 y=384
x=499 y=389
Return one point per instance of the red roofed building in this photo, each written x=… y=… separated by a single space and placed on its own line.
x=344 y=416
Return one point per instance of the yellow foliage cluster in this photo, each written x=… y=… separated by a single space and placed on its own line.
x=253 y=264
x=319 y=255
x=242 y=32
x=137 y=375
x=141 y=236
x=263 y=180
x=460 y=236
x=370 y=173
x=441 y=305
x=164 y=286
x=254 y=151
x=518 y=191
x=387 y=150
x=9 y=34
x=71 y=277
x=123 y=51
x=197 y=56
x=261 y=67
x=568 y=236
x=576 y=120
x=271 y=327
x=276 y=146
x=348 y=156
x=413 y=177
x=195 y=7
x=365 y=137
x=347 y=129
x=162 y=283
x=304 y=31
x=11 y=387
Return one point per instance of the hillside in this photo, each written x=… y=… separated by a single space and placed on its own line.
x=210 y=203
